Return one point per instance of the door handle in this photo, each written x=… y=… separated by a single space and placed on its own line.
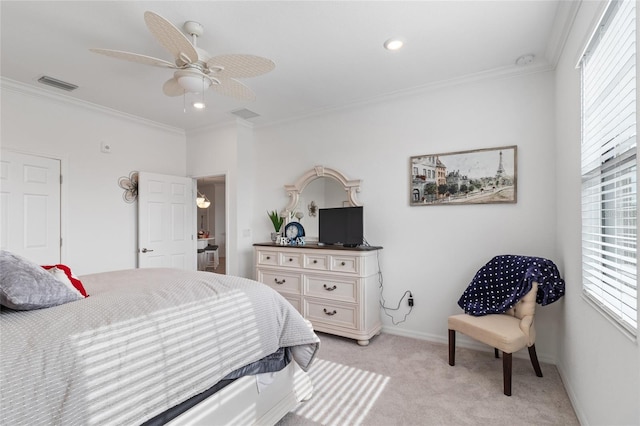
x=144 y=250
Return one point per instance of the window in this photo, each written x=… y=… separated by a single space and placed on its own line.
x=609 y=166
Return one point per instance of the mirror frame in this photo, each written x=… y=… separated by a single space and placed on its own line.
x=351 y=187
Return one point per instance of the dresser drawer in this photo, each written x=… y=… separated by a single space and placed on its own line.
x=331 y=313
x=267 y=257
x=291 y=260
x=281 y=281
x=344 y=264
x=316 y=261
x=332 y=288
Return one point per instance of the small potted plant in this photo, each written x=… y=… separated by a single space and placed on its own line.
x=277 y=222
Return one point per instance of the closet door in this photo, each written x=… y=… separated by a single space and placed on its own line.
x=30 y=206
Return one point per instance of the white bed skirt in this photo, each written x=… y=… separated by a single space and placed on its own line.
x=241 y=403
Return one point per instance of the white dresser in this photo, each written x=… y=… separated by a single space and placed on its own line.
x=336 y=288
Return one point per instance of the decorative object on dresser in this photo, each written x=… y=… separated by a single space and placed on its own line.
x=276 y=221
x=293 y=234
x=334 y=287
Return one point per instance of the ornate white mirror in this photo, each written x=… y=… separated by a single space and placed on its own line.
x=320 y=187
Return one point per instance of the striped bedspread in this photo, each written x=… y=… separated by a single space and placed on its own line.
x=143 y=341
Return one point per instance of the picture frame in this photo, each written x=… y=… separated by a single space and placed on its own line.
x=479 y=176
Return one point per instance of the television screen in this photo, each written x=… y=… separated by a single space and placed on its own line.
x=342 y=225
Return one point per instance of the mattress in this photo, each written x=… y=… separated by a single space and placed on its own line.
x=145 y=340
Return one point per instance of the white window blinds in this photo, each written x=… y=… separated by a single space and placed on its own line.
x=609 y=166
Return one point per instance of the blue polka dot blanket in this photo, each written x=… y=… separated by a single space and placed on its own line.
x=502 y=282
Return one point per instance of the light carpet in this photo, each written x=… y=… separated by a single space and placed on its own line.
x=402 y=381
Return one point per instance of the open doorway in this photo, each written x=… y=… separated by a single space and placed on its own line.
x=212 y=224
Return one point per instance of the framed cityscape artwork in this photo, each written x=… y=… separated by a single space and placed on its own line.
x=480 y=176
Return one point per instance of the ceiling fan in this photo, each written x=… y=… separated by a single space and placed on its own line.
x=196 y=70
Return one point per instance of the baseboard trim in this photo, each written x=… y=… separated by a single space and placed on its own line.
x=461 y=341
x=575 y=402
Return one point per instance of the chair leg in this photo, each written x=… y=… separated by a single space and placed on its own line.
x=496 y=353
x=506 y=372
x=534 y=360
x=452 y=347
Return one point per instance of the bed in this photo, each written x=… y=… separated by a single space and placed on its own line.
x=156 y=346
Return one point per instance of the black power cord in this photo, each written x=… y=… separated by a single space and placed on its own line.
x=383 y=303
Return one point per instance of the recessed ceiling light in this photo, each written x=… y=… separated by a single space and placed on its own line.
x=393 y=43
x=199 y=105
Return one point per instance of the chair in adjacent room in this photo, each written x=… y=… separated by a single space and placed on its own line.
x=211 y=257
x=507 y=332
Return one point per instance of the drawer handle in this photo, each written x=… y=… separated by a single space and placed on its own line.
x=329 y=288
x=280 y=282
x=290 y=259
x=268 y=257
x=330 y=313
x=342 y=263
x=315 y=261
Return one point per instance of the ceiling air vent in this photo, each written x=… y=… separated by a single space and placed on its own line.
x=245 y=113
x=59 y=84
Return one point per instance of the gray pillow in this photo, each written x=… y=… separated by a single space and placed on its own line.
x=25 y=285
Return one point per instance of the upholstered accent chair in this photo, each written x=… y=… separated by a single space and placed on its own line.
x=508 y=332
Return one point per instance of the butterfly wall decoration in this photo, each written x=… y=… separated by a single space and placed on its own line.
x=130 y=186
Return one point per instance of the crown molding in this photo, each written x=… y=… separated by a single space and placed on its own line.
x=36 y=92
x=510 y=71
x=562 y=24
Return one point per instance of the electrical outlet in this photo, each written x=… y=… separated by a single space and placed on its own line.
x=105 y=148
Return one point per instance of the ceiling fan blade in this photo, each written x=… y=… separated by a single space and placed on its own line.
x=240 y=66
x=134 y=57
x=233 y=88
x=171 y=38
x=172 y=88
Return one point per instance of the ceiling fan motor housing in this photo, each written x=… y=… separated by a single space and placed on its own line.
x=193 y=28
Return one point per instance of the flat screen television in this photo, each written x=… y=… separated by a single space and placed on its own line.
x=341 y=225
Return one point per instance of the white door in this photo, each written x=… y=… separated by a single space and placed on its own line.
x=30 y=206
x=165 y=222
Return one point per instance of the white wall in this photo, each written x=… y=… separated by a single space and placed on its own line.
x=220 y=217
x=600 y=366
x=99 y=228
x=228 y=150
x=433 y=251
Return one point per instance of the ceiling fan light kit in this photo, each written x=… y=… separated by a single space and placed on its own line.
x=196 y=70
x=192 y=81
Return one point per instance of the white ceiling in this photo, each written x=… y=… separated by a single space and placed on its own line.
x=328 y=54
